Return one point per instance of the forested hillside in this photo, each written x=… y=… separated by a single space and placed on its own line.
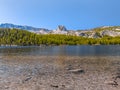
x=25 y=38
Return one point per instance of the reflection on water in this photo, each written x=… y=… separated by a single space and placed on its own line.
x=101 y=50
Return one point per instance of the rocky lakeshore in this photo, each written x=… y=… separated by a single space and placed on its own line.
x=59 y=73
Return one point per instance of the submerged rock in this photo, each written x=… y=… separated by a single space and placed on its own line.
x=55 y=86
x=77 y=71
x=113 y=83
x=27 y=79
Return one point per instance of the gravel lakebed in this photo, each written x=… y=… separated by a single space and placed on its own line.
x=59 y=72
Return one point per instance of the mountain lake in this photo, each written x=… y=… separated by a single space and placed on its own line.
x=85 y=67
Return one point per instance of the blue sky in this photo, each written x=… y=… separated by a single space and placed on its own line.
x=74 y=14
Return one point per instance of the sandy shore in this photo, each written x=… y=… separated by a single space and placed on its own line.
x=59 y=73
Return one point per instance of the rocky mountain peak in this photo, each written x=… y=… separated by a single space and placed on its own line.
x=61 y=28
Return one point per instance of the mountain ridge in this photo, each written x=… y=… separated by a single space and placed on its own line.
x=91 y=33
x=24 y=27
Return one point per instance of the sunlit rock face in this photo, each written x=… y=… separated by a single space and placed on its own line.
x=43 y=31
x=60 y=30
x=110 y=33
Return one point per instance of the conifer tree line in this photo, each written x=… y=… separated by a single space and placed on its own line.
x=26 y=38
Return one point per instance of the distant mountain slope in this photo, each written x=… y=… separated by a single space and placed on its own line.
x=9 y=25
x=93 y=33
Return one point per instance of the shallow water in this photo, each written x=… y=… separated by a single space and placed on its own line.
x=84 y=50
x=48 y=67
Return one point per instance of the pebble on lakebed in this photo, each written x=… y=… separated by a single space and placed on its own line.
x=77 y=71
